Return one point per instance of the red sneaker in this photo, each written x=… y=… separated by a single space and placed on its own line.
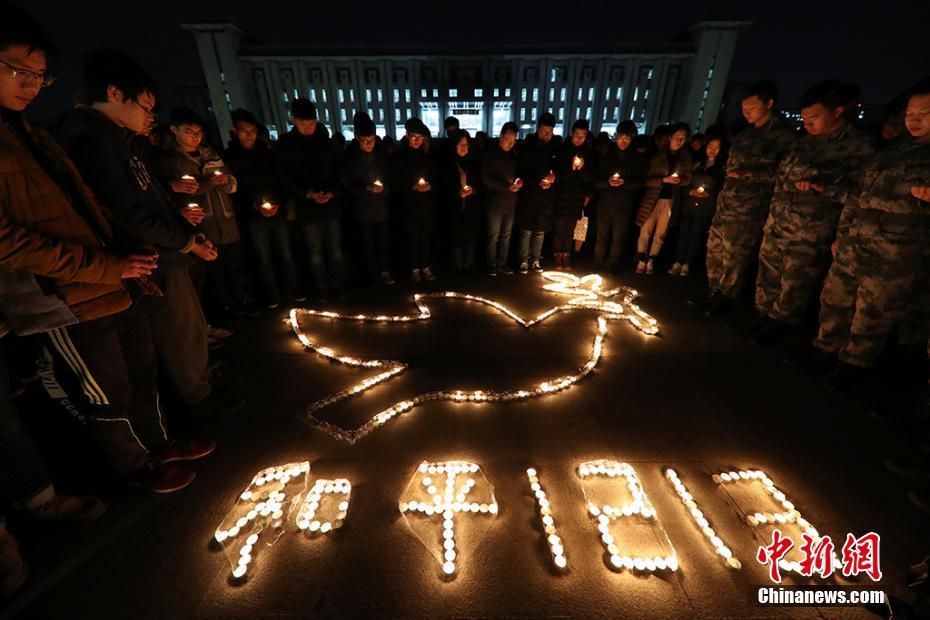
x=186 y=450
x=161 y=479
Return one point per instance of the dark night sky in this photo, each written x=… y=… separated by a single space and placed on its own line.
x=884 y=46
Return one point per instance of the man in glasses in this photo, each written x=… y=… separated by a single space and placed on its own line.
x=99 y=137
x=61 y=279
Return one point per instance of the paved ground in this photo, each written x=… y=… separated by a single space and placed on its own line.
x=700 y=398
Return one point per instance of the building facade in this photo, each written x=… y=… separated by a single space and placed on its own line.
x=671 y=82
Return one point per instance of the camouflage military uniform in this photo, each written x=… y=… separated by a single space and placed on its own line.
x=736 y=229
x=872 y=282
x=802 y=225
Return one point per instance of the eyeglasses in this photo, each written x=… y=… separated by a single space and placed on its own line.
x=150 y=112
x=27 y=78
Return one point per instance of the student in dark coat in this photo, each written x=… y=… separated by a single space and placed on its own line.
x=365 y=177
x=699 y=205
x=461 y=179
x=261 y=199
x=308 y=159
x=535 y=165
x=501 y=185
x=617 y=180
x=414 y=176
x=574 y=177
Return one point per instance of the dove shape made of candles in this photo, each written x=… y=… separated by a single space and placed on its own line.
x=584 y=292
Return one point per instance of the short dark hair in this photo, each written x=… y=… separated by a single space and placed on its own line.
x=509 y=127
x=627 y=128
x=109 y=67
x=765 y=90
x=303 y=109
x=685 y=127
x=829 y=93
x=920 y=89
x=19 y=28
x=546 y=119
x=450 y=121
x=185 y=116
x=242 y=115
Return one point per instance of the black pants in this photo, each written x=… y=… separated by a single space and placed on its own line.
x=692 y=233
x=109 y=365
x=375 y=239
x=613 y=228
x=419 y=237
x=564 y=233
x=224 y=278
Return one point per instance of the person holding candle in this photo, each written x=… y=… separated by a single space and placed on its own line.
x=535 y=165
x=501 y=185
x=743 y=203
x=813 y=182
x=414 y=173
x=308 y=160
x=261 y=198
x=188 y=157
x=667 y=181
x=463 y=183
x=574 y=185
x=364 y=175
x=698 y=207
x=103 y=139
x=617 y=180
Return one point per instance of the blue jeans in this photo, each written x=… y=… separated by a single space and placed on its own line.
x=325 y=236
x=500 y=223
x=23 y=477
x=268 y=233
x=531 y=242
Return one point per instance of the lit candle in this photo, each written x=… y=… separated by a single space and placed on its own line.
x=267 y=206
x=701 y=189
x=466 y=187
x=517 y=180
x=193 y=206
x=615 y=176
x=187 y=177
x=421 y=182
x=577 y=162
x=378 y=183
x=217 y=173
x=675 y=174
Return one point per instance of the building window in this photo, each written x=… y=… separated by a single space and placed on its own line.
x=479 y=92
x=507 y=92
x=429 y=114
x=406 y=94
x=535 y=95
x=453 y=92
x=435 y=92
x=499 y=115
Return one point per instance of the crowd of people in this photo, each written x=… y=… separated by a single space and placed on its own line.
x=129 y=248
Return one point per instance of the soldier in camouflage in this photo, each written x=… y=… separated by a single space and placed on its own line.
x=882 y=238
x=812 y=184
x=743 y=204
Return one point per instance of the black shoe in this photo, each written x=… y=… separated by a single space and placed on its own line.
x=506 y=270
x=716 y=305
x=216 y=404
x=160 y=479
x=296 y=296
x=845 y=377
x=273 y=302
x=912 y=465
x=247 y=309
x=771 y=333
x=813 y=359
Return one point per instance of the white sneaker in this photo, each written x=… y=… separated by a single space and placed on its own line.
x=427 y=274
x=675 y=269
x=650 y=268
x=524 y=267
x=536 y=266
x=415 y=275
x=684 y=270
x=641 y=267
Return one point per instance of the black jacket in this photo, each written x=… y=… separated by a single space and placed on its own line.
x=411 y=165
x=120 y=177
x=310 y=164
x=498 y=172
x=631 y=166
x=535 y=204
x=461 y=216
x=360 y=170
x=256 y=169
x=711 y=179
x=573 y=186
